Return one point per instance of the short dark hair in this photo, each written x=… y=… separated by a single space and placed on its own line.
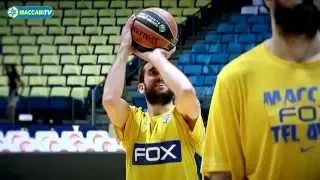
x=141 y=73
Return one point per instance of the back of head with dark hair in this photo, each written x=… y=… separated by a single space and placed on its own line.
x=141 y=73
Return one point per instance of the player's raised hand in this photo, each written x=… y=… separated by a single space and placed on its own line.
x=126 y=38
x=155 y=54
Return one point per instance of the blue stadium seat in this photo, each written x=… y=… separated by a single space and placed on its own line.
x=247 y=38
x=9 y=127
x=208 y=90
x=204 y=90
x=238 y=19
x=261 y=28
x=206 y=70
x=134 y=93
x=210 y=80
x=206 y=103
x=225 y=28
x=213 y=38
x=197 y=80
x=233 y=56
x=242 y=28
x=180 y=67
x=203 y=59
x=200 y=47
x=227 y=38
x=216 y=48
x=262 y=37
x=211 y=69
x=34 y=128
x=219 y=58
x=200 y=91
x=140 y=102
x=192 y=69
x=235 y=48
x=258 y=19
x=185 y=59
x=249 y=47
x=214 y=69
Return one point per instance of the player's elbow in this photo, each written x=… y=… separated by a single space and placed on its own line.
x=188 y=91
x=108 y=101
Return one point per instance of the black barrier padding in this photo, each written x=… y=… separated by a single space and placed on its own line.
x=62 y=166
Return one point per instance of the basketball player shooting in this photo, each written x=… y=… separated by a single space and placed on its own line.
x=264 y=116
x=163 y=142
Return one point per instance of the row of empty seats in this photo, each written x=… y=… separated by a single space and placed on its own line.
x=58 y=59
x=59 y=40
x=75 y=47
x=206 y=58
x=240 y=38
x=243 y=28
x=81 y=92
x=57 y=80
x=250 y=19
x=61 y=49
x=59 y=30
x=203 y=59
x=54 y=23
x=112 y=4
x=66 y=69
x=49 y=141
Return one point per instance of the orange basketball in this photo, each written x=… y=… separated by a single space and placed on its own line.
x=154 y=28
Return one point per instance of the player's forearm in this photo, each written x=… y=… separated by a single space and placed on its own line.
x=114 y=83
x=172 y=76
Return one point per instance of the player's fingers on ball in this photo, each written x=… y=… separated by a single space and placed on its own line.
x=141 y=55
x=136 y=53
x=130 y=20
x=165 y=52
x=132 y=17
x=133 y=50
x=172 y=51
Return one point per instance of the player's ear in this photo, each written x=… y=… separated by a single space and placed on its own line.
x=141 y=88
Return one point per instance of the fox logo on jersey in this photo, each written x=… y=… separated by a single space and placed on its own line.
x=157 y=153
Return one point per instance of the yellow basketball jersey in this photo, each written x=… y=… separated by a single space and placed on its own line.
x=264 y=121
x=161 y=147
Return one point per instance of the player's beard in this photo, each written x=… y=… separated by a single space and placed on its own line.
x=155 y=97
x=303 y=19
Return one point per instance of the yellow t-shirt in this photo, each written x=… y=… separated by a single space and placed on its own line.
x=264 y=120
x=161 y=147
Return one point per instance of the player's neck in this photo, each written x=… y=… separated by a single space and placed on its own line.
x=155 y=110
x=296 y=48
